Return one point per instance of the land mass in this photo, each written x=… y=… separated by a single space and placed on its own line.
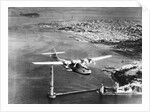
x=31 y=36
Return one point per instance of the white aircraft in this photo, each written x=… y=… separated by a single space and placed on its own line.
x=78 y=66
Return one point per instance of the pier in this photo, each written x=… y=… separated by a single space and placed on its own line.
x=52 y=94
x=75 y=92
x=103 y=90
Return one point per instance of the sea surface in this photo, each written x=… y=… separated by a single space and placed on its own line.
x=29 y=84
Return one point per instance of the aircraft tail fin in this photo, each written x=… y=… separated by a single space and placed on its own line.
x=53 y=54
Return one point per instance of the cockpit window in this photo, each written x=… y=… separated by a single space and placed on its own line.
x=78 y=65
x=84 y=67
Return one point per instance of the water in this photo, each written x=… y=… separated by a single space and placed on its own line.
x=34 y=89
x=29 y=84
x=94 y=98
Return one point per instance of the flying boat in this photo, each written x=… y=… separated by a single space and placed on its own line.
x=79 y=65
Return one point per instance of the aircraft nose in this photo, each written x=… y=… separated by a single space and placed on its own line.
x=89 y=71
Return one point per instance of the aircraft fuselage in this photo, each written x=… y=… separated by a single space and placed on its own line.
x=79 y=69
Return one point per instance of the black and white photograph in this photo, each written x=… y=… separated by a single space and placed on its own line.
x=75 y=55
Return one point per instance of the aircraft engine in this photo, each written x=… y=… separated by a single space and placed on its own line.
x=66 y=62
x=91 y=61
x=86 y=61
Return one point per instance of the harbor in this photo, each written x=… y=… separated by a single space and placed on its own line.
x=102 y=90
x=30 y=84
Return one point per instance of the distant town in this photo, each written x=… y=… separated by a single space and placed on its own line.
x=122 y=34
x=81 y=36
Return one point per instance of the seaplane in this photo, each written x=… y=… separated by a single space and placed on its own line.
x=78 y=65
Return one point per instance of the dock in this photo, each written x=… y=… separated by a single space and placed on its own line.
x=75 y=92
x=102 y=90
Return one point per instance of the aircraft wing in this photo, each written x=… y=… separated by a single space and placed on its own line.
x=100 y=58
x=48 y=63
x=94 y=59
x=49 y=53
